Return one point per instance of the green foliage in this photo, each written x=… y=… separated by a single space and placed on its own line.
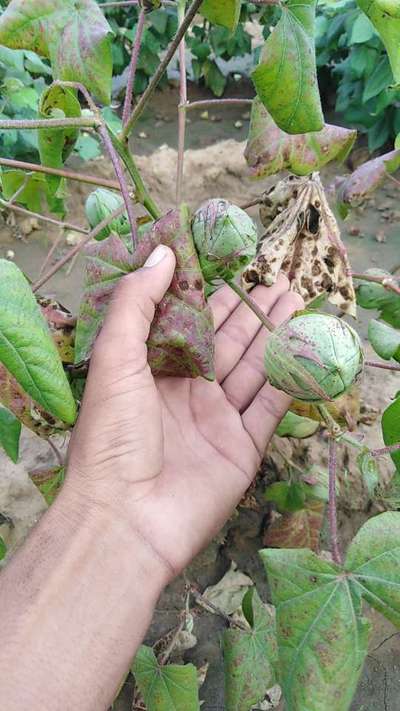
x=27 y=349
x=49 y=482
x=391 y=429
x=385 y=340
x=249 y=656
x=10 y=432
x=294 y=425
x=286 y=496
x=376 y=296
x=222 y=13
x=286 y=78
x=165 y=688
x=3 y=549
x=388 y=27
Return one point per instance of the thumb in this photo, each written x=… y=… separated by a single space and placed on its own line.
x=131 y=311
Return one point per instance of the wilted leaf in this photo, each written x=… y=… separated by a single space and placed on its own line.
x=384 y=339
x=300 y=529
x=165 y=688
x=391 y=429
x=373 y=559
x=388 y=27
x=56 y=146
x=345 y=410
x=181 y=341
x=354 y=188
x=10 y=432
x=286 y=496
x=294 y=425
x=62 y=327
x=225 y=13
x=26 y=348
x=286 y=78
x=322 y=637
x=48 y=481
x=270 y=150
x=75 y=37
x=249 y=657
x=228 y=593
x=376 y=296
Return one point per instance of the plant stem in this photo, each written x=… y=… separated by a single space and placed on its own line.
x=332 y=508
x=78 y=247
x=137 y=112
x=332 y=425
x=251 y=203
x=57 y=452
x=217 y=102
x=209 y=606
x=129 y=3
x=51 y=251
x=384 y=366
x=250 y=302
x=30 y=124
x=142 y=194
x=133 y=66
x=385 y=450
x=44 y=218
x=70 y=175
x=182 y=105
x=389 y=283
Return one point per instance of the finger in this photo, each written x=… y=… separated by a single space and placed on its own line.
x=239 y=330
x=246 y=379
x=131 y=311
x=222 y=303
x=264 y=415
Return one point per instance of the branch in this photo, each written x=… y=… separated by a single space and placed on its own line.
x=137 y=112
x=251 y=303
x=27 y=124
x=385 y=450
x=78 y=247
x=182 y=106
x=389 y=283
x=44 y=218
x=384 y=366
x=69 y=174
x=133 y=66
x=129 y=3
x=218 y=102
x=332 y=509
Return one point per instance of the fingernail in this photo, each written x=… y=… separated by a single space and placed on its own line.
x=156 y=256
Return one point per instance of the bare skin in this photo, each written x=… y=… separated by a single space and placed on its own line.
x=155 y=468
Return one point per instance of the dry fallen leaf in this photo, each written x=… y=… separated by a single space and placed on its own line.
x=228 y=593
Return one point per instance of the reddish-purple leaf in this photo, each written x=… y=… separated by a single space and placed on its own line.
x=298 y=529
x=181 y=341
x=352 y=190
x=269 y=149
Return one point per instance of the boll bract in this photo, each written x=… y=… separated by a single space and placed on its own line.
x=99 y=205
x=225 y=238
x=314 y=357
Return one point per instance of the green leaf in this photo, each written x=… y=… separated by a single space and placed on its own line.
x=378 y=80
x=215 y=80
x=294 y=425
x=388 y=28
x=27 y=349
x=3 y=549
x=286 y=78
x=384 y=339
x=362 y=30
x=373 y=558
x=165 y=688
x=74 y=36
x=285 y=496
x=10 y=431
x=33 y=193
x=249 y=656
x=56 y=145
x=322 y=637
x=270 y=150
x=49 y=482
x=225 y=13
x=87 y=147
x=391 y=429
x=375 y=296
x=370 y=471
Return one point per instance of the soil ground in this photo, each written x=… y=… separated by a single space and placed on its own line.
x=215 y=167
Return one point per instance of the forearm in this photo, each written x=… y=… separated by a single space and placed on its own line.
x=75 y=604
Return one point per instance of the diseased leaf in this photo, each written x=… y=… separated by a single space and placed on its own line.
x=286 y=496
x=225 y=13
x=321 y=635
x=286 y=78
x=10 y=432
x=373 y=559
x=56 y=146
x=249 y=656
x=388 y=27
x=353 y=189
x=227 y=594
x=62 y=327
x=26 y=348
x=181 y=341
x=165 y=688
x=49 y=482
x=270 y=150
x=369 y=470
x=391 y=429
x=297 y=529
x=75 y=37
x=384 y=339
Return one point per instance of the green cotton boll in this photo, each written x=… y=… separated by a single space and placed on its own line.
x=225 y=238
x=99 y=205
x=314 y=357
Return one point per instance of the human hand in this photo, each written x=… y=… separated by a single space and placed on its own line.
x=174 y=456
